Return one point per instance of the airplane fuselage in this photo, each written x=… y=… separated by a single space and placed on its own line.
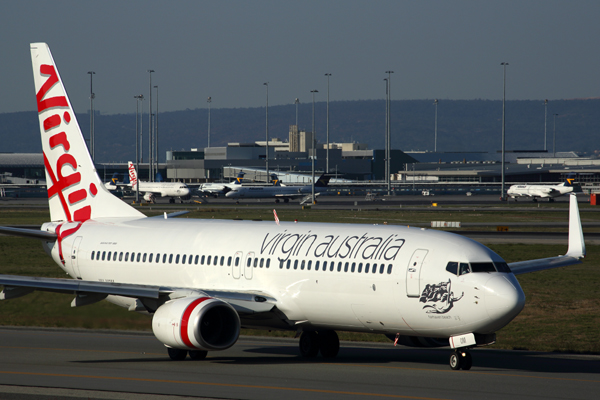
x=542 y=191
x=386 y=279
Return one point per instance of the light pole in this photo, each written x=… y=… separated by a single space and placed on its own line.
x=327 y=151
x=92 y=96
x=435 y=103
x=313 y=144
x=150 y=161
x=267 y=134
x=156 y=133
x=297 y=101
x=504 y=64
x=387 y=121
x=209 y=100
x=554 y=139
x=389 y=132
x=545 y=121
x=138 y=134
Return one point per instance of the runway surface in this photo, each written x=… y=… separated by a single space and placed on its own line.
x=117 y=365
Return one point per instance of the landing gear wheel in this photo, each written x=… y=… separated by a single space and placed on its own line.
x=276 y=200
x=171 y=201
x=176 y=354
x=455 y=361
x=329 y=344
x=286 y=200
x=467 y=361
x=309 y=344
x=197 y=355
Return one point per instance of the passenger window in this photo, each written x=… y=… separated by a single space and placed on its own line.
x=139 y=255
x=228 y=261
x=309 y=265
x=389 y=268
x=452 y=267
x=183 y=259
x=287 y=265
x=332 y=266
x=346 y=267
x=157 y=257
x=324 y=265
x=97 y=256
x=170 y=258
x=302 y=264
x=249 y=262
x=281 y=264
x=190 y=259
x=317 y=265
x=177 y=259
x=144 y=258
x=115 y=256
x=164 y=258
x=103 y=255
x=208 y=260
x=367 y=268
x=503 y=267
x=262 y=262
x=359 y=267
x=222 y=260
x=353 y=267
x=237 y=261
x=381 y=268
x=295 y=264
x=202 y=261
x=150 y=257
x=196 y=260
x=374 y=268
x=268 y=263
x=215 y=259
x=127 y=256
x=132 y=256
x=93 y=254
x=463 y=269
x=339 y=266
x=121 y=256
x=256 y=262
x=109 y=254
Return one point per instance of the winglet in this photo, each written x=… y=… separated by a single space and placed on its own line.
x=576 y=242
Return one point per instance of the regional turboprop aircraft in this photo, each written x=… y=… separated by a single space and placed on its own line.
x=202 y=280
x=163 y=189
x=542 y=191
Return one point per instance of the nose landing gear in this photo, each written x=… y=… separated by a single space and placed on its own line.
x=461 y=359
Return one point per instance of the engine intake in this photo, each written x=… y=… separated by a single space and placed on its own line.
x=196 y=323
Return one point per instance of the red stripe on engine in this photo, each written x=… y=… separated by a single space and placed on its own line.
x=184 y=321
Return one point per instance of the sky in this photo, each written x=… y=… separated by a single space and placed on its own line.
x=228 y=49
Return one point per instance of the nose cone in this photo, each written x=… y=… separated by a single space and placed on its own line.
x=185 y=191
x=504 y=299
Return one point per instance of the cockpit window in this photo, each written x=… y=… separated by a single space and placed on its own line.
x=503 y=267
x=483 y=267
x=463 y=269
x=452 y=267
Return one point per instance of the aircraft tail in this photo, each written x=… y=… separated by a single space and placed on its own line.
x=132 y=175
x=570 y=179
x=275 y=180
x=75 y=192
x=239 y=178
x=323 y=181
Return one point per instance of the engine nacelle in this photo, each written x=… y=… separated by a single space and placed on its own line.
x=149 y=197
x=196 y=323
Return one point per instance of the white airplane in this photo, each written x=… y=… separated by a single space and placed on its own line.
x=202 y=280
x=277 y=191
x=162 y=189
x=216 y=188
x=542 y=191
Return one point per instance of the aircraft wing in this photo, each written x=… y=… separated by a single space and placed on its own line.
x=16 y=286
x=575 y=252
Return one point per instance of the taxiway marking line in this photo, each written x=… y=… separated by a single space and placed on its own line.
x=233 y=385
x=469 y=372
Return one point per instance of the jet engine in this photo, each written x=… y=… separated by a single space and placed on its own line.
x=196 y=323
x=149 y=197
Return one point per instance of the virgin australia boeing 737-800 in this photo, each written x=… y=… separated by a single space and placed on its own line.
x=202 y=280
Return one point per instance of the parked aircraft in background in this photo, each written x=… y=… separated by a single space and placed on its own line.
x=162 y=189
x=221 y=188
x=279 y=192
x=202 y=280
x=542 y=191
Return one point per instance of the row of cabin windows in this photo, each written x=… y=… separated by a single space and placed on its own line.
x=176 y=258
x=464 y=268
x=347 y=266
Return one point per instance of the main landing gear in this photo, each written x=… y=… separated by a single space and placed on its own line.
x=461 y=359
x=313 y=342
x=180 y=355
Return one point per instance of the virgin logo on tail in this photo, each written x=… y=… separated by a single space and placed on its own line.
x=132 y=175
x=57 y=126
